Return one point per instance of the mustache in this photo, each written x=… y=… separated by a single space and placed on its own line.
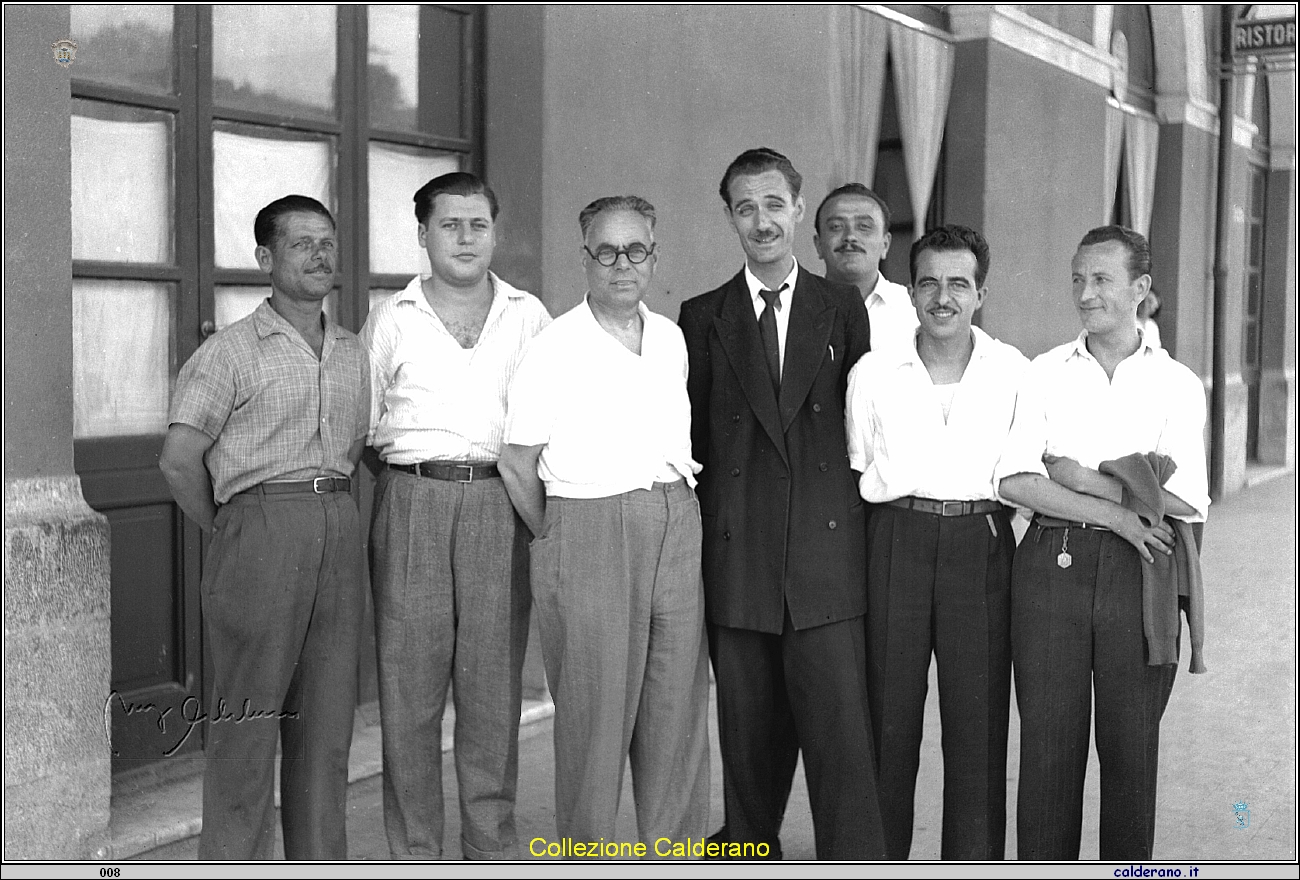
x=851 y=246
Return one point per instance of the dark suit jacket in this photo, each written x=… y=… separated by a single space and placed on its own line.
x=783 y=521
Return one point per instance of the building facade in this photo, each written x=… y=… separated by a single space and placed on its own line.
x=134 y=169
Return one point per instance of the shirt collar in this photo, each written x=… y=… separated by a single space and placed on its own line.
x=751 y=280
x=1079 y=347
x=888 y=292
x=414 y=291
x=641 y=308
x=907 y=354
x=267 y=321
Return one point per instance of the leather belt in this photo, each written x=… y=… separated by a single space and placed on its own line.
x=946 y=508
x=318 y=486
x=456 y=472
x=1051 y=522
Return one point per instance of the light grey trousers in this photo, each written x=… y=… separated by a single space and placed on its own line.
x=620 y=606
x=449 y=571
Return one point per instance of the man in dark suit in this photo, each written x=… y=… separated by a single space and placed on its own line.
x=784 y=530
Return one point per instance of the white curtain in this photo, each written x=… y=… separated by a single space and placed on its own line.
x=923 y=79
x=1114 y=140
x=250 y=172
x=857 y=89
x=395 y=174
x=121 y=357
x=1141 y=142
x=121 y=191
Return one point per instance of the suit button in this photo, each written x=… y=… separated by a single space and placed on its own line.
x=736 y=419
x=817 y=407
x=735 y=472
x=726 y=536
x=831 y=524
x=822 y=467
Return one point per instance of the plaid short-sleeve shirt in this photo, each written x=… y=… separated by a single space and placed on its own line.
x=273 y=410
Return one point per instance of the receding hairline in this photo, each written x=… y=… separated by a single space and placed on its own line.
x=828 y=208
x=613 y=211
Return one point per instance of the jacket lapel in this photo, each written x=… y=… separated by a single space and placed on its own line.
x=738 y=332
x=806 y=345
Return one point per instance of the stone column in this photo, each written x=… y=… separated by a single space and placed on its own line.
x=57 y=659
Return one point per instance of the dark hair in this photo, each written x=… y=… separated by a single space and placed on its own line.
x=756 y=162
x=267 y=225
x=454 y=183
x=1139 y=249
x=632 y=204
x=852 y=189
x=954 y=238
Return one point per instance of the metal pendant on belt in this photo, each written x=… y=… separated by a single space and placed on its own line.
x=1065 y=560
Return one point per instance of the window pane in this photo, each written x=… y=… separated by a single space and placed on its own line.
x=121 y=183
x=395 y=174
x=121 y=357
x=249 y=172
x=234 y=303
x=393 y=78
x=275 y=59
x=405 y=42
x=127 y=46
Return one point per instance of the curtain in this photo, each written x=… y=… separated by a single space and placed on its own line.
x=1141 y=141
x=121 y=190
x=923 y=77
x=857 y=84
x=395 y=174
x=121 y=357
x=248 y=173
x=1114 y=140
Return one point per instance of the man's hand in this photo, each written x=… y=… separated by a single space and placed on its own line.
x=1144 y=538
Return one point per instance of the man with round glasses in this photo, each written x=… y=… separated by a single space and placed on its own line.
x=598 y=463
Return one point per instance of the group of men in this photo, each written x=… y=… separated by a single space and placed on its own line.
x=804 y=482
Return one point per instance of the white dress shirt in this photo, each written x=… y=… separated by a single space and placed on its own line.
x=893 y=317
x=611 y=421
x=898 y=438
x=431 y=399
x=1068 y=407
x=785 y=295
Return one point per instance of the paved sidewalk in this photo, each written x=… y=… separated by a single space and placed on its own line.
x=1228 y=736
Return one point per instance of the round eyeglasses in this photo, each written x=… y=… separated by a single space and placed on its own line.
x=608 y=256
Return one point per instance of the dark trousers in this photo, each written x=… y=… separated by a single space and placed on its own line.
x=282 y=608
x=941 y=585
x=1077 y=640
x=815 y=681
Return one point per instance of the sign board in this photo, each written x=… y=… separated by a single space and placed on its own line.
x=1263 y=36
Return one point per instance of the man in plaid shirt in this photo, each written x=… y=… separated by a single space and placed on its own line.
x=267 y=425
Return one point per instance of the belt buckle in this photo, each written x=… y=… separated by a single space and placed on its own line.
x=315 y=485
x=468 y=468
x=956 y=508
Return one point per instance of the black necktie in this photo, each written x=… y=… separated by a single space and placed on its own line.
x=771 y=342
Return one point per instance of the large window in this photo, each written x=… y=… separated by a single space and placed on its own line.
x=188 y=119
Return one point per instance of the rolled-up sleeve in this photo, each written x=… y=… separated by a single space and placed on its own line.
x=1027 y=440
x=858 y=422
x=205 y=391
x=530 y=407
x=1183 y=440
